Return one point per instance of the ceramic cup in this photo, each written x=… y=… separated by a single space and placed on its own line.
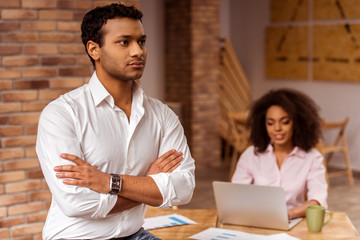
x=315 y=216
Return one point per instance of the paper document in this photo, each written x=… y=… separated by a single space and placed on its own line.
x=224 y=234
x=166 y=221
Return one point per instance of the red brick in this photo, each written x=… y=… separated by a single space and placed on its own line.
x=12 y=96
x=41 y=49
x=39 y=72
x=78 y=15
x=30 y=152
x=84 y=60
x=9 y=26
x=12 y=199
x=72 y=72
x=11 y=177
x=3 y=120
x=53 y=61
x=34 y=106
x=8 y=49
x=22 y=141
x=8 y=4
x=12 y=221
x=31 y=129
x=39 y=196
x=23 y=186
x=9 y=74
x=56 y=15
x=40 y=26
x=72 y=49
x=69 y=26
x=24 y=118
x=39 y=3
x=20 y=37
x=31 y=84
x=20 y=61
x=57 y=37
x=14 y=153
x=9 y=107
x=18 y=14
x=66 y=83
x=102 y=3
x=35 y=174
x=21 y=164
x=11 y=130
x=27 y=229
x=25 y=208
x=51 y=94
x=4 y=232
x=5 y=84
x=79 y=4
x=37 y=217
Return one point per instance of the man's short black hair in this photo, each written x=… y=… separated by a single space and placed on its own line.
x=94 y=20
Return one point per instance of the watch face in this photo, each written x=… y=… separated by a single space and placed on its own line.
x=115 y=184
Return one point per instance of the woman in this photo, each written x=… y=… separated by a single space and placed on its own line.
x=285 y=128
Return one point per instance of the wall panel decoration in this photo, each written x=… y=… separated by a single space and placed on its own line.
x=336 y=52
x=287 y=52
x=289 y=10
x=336 y=9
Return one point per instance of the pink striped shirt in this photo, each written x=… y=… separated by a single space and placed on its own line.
x=301 y=172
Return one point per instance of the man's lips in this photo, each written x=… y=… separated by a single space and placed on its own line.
x=137 y=63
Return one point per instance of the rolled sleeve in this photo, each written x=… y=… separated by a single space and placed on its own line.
x=176 y=187
x=316 y=183
x=57 y=134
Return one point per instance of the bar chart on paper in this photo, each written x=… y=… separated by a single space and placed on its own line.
x=224 y=234
x=166 y=221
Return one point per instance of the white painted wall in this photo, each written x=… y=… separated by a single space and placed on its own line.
x=244 y=22
x=337 y=100
x=153 y=80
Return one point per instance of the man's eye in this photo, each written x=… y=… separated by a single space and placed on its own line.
x=123 y=42
x=142 y=42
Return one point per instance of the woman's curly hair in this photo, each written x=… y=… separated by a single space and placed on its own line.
x=300 y=107
x=94 y=20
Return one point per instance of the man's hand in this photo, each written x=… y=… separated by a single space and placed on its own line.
x=83 y=174
x=167 y=162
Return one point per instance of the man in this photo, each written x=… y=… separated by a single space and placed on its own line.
x=99 y=145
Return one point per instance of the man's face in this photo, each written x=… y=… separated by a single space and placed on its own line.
x=123 y=54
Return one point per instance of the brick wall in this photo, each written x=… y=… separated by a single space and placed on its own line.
x=192 y=64
x=41 y=57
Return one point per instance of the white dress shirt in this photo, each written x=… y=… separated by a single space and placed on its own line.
x=85 y=122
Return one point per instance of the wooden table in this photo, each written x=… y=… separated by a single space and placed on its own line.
x=340 y=227
x=206 y=218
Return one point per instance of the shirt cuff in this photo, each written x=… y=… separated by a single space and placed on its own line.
x=106 y=203
x=163 y=182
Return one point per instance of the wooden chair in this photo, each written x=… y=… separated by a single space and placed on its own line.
x=237 y=123
x=338 y=146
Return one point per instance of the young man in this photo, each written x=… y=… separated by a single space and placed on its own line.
x=99 y=145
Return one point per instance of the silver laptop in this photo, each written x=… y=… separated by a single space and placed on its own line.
x=252 y=205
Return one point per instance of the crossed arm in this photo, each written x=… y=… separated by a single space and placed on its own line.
x=135 y=190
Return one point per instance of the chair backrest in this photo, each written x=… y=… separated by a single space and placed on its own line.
x=239 y=132
x=339 y=127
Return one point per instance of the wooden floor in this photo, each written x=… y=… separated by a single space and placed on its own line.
x=341 y=196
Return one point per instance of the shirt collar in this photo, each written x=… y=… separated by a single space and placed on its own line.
x=99 y=92
x=295 y=152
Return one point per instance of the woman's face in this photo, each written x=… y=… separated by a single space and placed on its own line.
x=279 y=126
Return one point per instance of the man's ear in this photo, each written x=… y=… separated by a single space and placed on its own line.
x=93 y=50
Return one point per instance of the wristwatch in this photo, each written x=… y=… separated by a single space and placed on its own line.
x=115 y=184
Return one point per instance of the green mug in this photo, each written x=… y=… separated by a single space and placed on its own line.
x=315 y=216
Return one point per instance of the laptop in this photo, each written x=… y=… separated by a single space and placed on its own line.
x=252 y=205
